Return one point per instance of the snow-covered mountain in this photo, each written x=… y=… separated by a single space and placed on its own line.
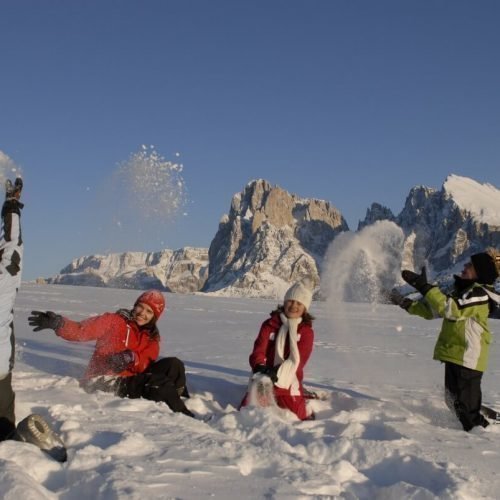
x=443 y=228
x=269 y=239
x=184 y=270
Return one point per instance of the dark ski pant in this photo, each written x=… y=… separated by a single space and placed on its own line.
x=7 y=416
x=164 y=380
x=463 y=395
x=8 y=396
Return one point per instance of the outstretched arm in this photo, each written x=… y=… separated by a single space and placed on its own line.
x=259 y=353
x=474 y=304
x=80 y=331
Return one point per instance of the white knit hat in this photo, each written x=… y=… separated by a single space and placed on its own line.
x=301 y=292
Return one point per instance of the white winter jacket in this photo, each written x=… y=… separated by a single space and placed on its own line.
x=11 y=256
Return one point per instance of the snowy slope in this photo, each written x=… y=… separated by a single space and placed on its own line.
x=482 y=201
x=384 y=432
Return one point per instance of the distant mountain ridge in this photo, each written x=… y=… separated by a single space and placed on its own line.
x=443 y=228
x=182 y=271
x=271 y=238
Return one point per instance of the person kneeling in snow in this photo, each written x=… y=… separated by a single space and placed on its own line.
x=126 y=349
x=283 y=347
x=464 y=340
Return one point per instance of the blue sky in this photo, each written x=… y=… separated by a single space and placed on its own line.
x=348 y=101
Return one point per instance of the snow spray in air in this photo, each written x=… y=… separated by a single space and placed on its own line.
x=360 y=266
x=8 y=169
x=152 y=185
x=135 y=205
x=144 y=194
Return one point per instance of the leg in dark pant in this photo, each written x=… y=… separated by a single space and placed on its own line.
x=164 y=381
x=171 y=369
x=7 y=416
x=7 y=396
x=463 y=395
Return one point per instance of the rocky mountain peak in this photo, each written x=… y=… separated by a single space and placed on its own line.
x=444 y=227
x=269 y=239
x=375 y=213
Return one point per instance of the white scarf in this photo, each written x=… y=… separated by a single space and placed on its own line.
x=287 y=373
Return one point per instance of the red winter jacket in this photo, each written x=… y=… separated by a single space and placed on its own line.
x=113 y=333
x=265 y=344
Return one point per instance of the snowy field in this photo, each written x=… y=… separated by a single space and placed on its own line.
x=384 y=431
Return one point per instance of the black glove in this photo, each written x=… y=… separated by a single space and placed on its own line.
x=417 y=281
x=43 y=320
x=494 y=311
x=272 y=373
x=120 y=361
x=261 y=369
x=13 y=190
x=400 y=300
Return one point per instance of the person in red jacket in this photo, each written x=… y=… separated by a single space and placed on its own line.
x=127 y=345
x=283 y=347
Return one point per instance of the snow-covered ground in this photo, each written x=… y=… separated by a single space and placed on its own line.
x=383 y=433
